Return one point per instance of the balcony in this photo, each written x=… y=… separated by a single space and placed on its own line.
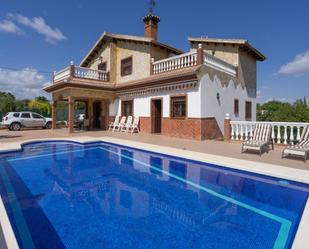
x=191 y=59
x=74 y=72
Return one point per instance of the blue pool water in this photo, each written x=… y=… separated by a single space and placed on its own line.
x=67 y=195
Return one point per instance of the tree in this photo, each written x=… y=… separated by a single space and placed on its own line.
x=39 y=106
x=276 y=111
x=42 y=99
x=7 y=103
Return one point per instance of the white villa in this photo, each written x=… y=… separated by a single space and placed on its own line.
x=174 y=93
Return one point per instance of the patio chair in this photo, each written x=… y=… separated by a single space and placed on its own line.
x=112 y=124
x=260 y=141
x=134 y=126
x=128 y=124
x=301 y=149
x=118 y=127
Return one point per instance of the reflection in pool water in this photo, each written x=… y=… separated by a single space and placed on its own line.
x=107 y=196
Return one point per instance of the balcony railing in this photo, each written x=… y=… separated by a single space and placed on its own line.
x=281 y=132
x=218 y=64
x=61 y=75
x=175 y=62
x=80 y=73
x=191 y=59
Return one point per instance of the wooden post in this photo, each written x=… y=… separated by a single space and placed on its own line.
x=227 y=127
x=200 y=55
x=54 y=114
x=71 y=114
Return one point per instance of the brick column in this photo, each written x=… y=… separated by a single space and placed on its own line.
x=54 y=114
x=227 y=127
x=200 y=55
x=71 y=114
x=72 y=70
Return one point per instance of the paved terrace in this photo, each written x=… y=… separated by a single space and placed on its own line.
x=227 y=149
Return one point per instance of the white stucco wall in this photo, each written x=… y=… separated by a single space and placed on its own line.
x=211 y=107
x=142 y=103
x=114 y=107
x=202 y=101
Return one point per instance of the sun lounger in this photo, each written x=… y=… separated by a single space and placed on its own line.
x=118 y=127
x=128 y=124
x=134 y=126
x=260 y=141
x=112 y=124
x=301 y=149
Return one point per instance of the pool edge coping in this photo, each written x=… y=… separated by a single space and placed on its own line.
x=234 y=163
x=7 y=230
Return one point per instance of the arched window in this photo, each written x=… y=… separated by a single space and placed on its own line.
x=102 y=66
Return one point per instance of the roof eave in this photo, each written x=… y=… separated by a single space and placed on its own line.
x=129 y=38
x=258 y=55
x=93 y=47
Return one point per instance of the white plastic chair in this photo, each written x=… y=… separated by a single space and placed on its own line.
x=134 y=126
x=118 y=127
x=112 y=124
x=128 y=124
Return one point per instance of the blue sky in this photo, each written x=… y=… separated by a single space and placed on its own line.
x=45 y=35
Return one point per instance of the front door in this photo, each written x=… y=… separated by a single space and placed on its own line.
x=156 y=115
x=96 y=115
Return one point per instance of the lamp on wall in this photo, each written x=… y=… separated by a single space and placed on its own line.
x=218 y=98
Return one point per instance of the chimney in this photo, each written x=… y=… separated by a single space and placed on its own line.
x=151 y=26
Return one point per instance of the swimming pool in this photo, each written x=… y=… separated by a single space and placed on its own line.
x=102 y=195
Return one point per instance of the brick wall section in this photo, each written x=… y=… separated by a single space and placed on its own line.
x=210 y=129
x=145 y=124
x=192 y=128
x=111 y=119
x=227 y=129
x=189 y=128
x=182 y=128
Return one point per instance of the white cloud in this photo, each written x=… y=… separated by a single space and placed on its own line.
x=23 y=84
x=9 y=27
x=299 y=66
x=51 y=35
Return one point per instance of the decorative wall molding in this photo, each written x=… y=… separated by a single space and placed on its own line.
x=157 y=89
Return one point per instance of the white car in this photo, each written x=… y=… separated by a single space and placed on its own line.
x=14 y=121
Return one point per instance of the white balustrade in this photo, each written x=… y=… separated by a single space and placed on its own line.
x=61 y=75
x=285 y=136
x=88 y=73
x=175 y=62
x=189 y=60
x=81 y=72
x=243 y=130
x=219 y=64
